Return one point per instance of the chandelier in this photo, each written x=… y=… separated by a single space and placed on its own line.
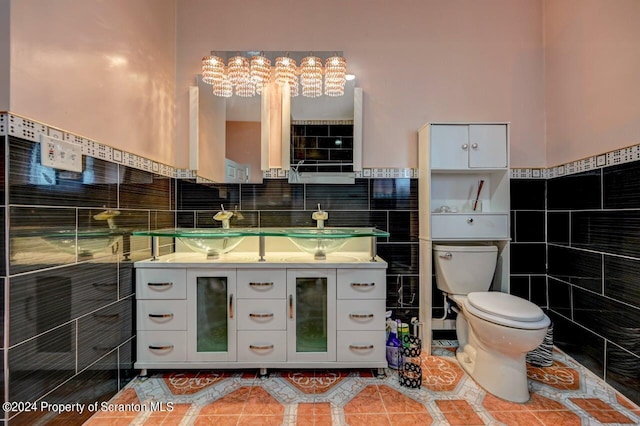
x=247 y=76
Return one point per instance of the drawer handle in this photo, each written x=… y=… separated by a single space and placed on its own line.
x=252 y=315
x=261 y=284
x=160 y=315
x=470 y=220
x=261 y=347
x=160 y=348
x=290 y=306
x=168 y=284
x=447 y=255
x=360 y=316
x=231 y=305
x=363 y=284
x=361 y=347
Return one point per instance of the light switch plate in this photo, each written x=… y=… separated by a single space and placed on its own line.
x=60 y=154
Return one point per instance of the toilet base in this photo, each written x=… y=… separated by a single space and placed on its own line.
x=502 y=376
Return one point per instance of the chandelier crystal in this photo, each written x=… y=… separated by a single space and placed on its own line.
x=286 y=73
x=212 y=69
x=260 y=71
x=223 y=88
x=335 y=73
x=311 y=76
x=246 y=77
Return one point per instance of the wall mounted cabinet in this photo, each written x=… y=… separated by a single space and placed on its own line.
x=464 y=198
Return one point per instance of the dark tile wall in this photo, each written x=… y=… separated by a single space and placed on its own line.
x=593 y=220
x=528 y=240
x=322 y=147
x=69 y=273
x=387 y=204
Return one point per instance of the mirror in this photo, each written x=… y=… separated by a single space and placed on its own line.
x=228 y=135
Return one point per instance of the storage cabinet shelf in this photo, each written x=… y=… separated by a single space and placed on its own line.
x=455 y=161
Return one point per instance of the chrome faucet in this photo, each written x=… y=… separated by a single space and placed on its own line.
x=108 y=215
x=320 y=216
x=223 y=216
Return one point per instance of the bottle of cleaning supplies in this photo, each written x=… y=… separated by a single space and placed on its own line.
x=393 y=346
x=403 y=331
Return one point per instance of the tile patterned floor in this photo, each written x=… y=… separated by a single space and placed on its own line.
x=563 y=394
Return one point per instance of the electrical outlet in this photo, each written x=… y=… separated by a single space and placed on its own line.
x=59 y=154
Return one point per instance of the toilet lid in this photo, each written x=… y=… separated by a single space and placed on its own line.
x=505 y=305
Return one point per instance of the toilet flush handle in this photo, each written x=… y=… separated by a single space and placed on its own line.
x=447 y=255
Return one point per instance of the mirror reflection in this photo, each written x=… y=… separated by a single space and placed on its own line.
x=321 y=133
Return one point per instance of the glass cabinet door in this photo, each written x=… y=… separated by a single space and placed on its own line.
x=211 y=315
x=311 y=328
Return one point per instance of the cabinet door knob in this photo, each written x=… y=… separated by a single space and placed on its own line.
x=474 y=146
x=465 y=147
x=470 y=220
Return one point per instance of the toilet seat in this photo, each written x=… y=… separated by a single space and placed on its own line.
x=505 y=309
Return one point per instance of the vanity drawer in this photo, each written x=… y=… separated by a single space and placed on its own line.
x=262 y=283
x=262 y=346
x=361 y=284
x=478 y=226
x=161 y=283
x=161 y=315
x=162 y=346
x=257 y=314
x=361 y=346
x=361 y=315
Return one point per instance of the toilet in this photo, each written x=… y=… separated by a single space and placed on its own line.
x=495 y=330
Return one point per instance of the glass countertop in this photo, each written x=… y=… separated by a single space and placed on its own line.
x=264 y=232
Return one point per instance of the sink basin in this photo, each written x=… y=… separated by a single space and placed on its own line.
x=320 y=242
x=212 y=242
x=86 y=242
x=215 y=241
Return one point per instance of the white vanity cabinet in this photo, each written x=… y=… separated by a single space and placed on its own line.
x=252 y=314
x=459 y=164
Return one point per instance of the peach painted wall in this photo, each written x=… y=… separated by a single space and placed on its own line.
x=103 y=69
x=4 y=54
x=592 y=77
x=243 y=140
x=456 y=60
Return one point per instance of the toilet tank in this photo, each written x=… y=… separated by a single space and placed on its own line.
x=464 y=269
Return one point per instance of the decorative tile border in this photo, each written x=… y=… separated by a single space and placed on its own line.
x=612 y=158
x=320 y=122
x=15 y=125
